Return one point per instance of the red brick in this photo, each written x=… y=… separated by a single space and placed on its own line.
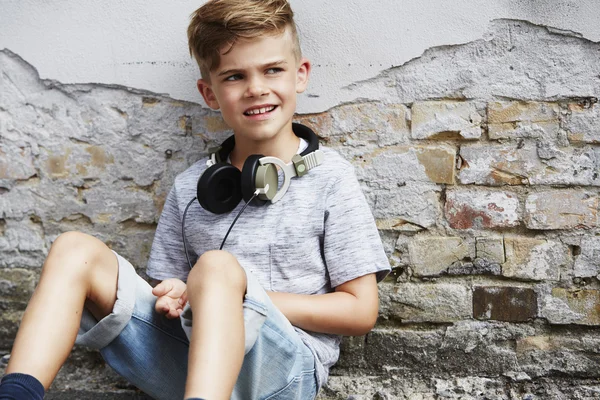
x=481 y=209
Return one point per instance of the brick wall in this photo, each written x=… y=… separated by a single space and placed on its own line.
x=480 y=162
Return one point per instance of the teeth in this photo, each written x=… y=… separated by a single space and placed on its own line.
x=260 y=110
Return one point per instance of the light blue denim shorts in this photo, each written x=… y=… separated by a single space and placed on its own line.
x=151 y=351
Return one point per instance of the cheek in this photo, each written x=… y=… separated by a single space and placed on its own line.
x=287 y=88
x=227 y=100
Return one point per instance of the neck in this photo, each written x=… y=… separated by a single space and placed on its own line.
x=283 y=146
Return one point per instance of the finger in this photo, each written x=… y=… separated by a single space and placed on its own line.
x=162 y=288
x=171 y=305
x=173 y=313
x=183 y=298
x=158 y=290
x=162 y=305
x=177 y=289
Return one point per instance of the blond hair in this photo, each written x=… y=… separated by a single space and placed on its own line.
x=220 y=23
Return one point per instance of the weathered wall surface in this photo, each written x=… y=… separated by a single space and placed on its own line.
x=484 y=181
x=142 y=43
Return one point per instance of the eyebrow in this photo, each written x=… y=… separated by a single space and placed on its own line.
x=264 y=66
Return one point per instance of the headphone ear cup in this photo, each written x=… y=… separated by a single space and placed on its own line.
x=248 y=182
x=218 y=189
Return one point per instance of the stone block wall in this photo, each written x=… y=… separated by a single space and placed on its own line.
x=480 y=162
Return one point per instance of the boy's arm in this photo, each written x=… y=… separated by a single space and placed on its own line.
x=351 y=310
x=355 y=261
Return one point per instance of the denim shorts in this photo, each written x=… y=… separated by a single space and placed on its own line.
x=151 y=351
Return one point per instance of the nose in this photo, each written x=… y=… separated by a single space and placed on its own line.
x=256 y=87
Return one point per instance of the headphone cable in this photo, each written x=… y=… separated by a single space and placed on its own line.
x=236 y=218
x=183 y=232
x=187 y=256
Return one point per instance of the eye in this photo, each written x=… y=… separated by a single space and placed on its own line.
x=274 y=70
x=234 y=77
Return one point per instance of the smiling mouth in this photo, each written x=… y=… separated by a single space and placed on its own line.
x=262 y=110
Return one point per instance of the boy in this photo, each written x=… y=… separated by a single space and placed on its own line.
x=262 y=318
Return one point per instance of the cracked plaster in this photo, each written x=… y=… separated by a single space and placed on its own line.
x=143 y=44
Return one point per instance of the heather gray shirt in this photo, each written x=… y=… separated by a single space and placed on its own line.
x=319 y=235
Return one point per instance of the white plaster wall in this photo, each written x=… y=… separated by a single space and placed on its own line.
x=142 y=43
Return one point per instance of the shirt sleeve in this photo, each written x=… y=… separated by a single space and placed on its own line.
x=167 y=257
x=351 y=245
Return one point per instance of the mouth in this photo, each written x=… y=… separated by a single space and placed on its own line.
x=260 y=110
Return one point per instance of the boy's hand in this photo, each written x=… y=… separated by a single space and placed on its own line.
x=172 y=296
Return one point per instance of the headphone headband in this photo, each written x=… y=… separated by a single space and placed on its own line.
x=222 y=152
x=307 y=134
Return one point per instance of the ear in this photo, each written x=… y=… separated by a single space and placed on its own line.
x=302 y=75
x=207 y=93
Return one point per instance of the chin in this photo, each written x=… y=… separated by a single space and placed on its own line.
x=260 y=135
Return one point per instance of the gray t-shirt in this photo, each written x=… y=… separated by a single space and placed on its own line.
x=319 y=235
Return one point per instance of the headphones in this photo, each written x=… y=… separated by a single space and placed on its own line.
x=222 y=186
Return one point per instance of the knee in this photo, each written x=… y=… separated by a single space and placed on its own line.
x=217 y=268
x=75 y=248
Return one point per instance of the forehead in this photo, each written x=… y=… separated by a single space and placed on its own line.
x=246 y=53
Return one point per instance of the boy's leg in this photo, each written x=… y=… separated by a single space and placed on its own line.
x=79 y=270
x=216 y=288
x=241 y=324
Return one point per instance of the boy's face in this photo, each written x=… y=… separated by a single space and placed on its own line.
x=255 y=86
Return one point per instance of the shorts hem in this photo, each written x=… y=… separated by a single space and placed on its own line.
x=98 y=334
